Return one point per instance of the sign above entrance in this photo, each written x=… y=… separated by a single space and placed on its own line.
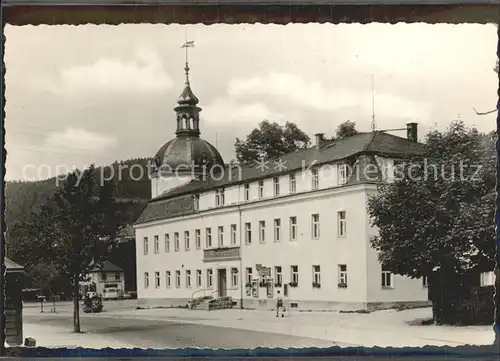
x=221 y=254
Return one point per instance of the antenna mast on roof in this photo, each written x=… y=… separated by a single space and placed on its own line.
x=373 y=104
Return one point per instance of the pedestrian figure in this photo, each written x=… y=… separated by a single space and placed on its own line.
x=279 y=305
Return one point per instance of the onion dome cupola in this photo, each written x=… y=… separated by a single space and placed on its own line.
x=188 y=113
x=188 y=149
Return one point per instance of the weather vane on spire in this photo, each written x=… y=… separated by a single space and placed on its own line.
x=186 y=45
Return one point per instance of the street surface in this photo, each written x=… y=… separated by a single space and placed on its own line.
x=162 y=333
x=122 y=325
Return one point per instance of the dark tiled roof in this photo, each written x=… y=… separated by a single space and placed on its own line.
x=167 y=208
x=178 y=201
x=108 y=267
x=370 y=143
x=12 y=266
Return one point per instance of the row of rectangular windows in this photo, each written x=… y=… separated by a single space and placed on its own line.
x=386 y=277
x=188 y=281
x=104 y=276
x=220 y=193
x=315 y=234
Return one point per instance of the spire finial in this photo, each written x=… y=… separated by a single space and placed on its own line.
x=187 y=44
x=187 y=112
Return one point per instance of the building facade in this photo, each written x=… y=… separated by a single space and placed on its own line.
x=298 y=224
x=107 y=276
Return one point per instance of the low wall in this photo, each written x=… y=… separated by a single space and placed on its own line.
x=304 y=306
x=308 y=305
x=163 y=302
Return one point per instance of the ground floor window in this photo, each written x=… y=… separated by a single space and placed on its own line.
x=249 y=275
x=342 y=275
x=157 y=279
x=146 y=280
x=295 y=275
x=167 y=280
x=278 y=276
x=316 y=277
x=177 y=279
x=386 y=278
x=234 y=277
x=188 y=278
x=209 y=277
x=425 y=281
x=198 y=278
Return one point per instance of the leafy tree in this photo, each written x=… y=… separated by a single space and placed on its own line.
x=41 y=274
x=46 y=277
x=436 y=218
x=270 y=140
x=74 y=231
x=346 y=129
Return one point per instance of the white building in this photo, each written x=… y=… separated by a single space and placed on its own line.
x=107 y=276
x=209 y=229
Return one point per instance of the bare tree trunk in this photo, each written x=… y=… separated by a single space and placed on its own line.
x=76 y=307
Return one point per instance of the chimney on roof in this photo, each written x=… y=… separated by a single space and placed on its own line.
x=412 y=132
x=319 y=139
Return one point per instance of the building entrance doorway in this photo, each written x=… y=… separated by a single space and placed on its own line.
x=222 y=282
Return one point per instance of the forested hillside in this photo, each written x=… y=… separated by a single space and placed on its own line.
x=23 y=198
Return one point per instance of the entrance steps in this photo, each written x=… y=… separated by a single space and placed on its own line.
x=200 y=303
x=209 y=303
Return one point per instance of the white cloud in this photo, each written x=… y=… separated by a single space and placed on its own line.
x=231 y=111
x=144 y=74
x=392 y=106
x=296 y=91
x=430 y=49
x=80 y=140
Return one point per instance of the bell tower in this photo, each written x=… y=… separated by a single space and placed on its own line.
x=188 y=113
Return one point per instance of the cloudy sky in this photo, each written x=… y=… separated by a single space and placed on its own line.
x=78 y=95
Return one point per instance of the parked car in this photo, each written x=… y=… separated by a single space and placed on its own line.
x=110 y=293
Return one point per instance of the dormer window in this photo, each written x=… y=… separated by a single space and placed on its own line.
x=276 y=182
x=219 y=197
x=293 y=183
x=247 y=191
x=315 y=178
x=342 y=174
x=196 y=202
